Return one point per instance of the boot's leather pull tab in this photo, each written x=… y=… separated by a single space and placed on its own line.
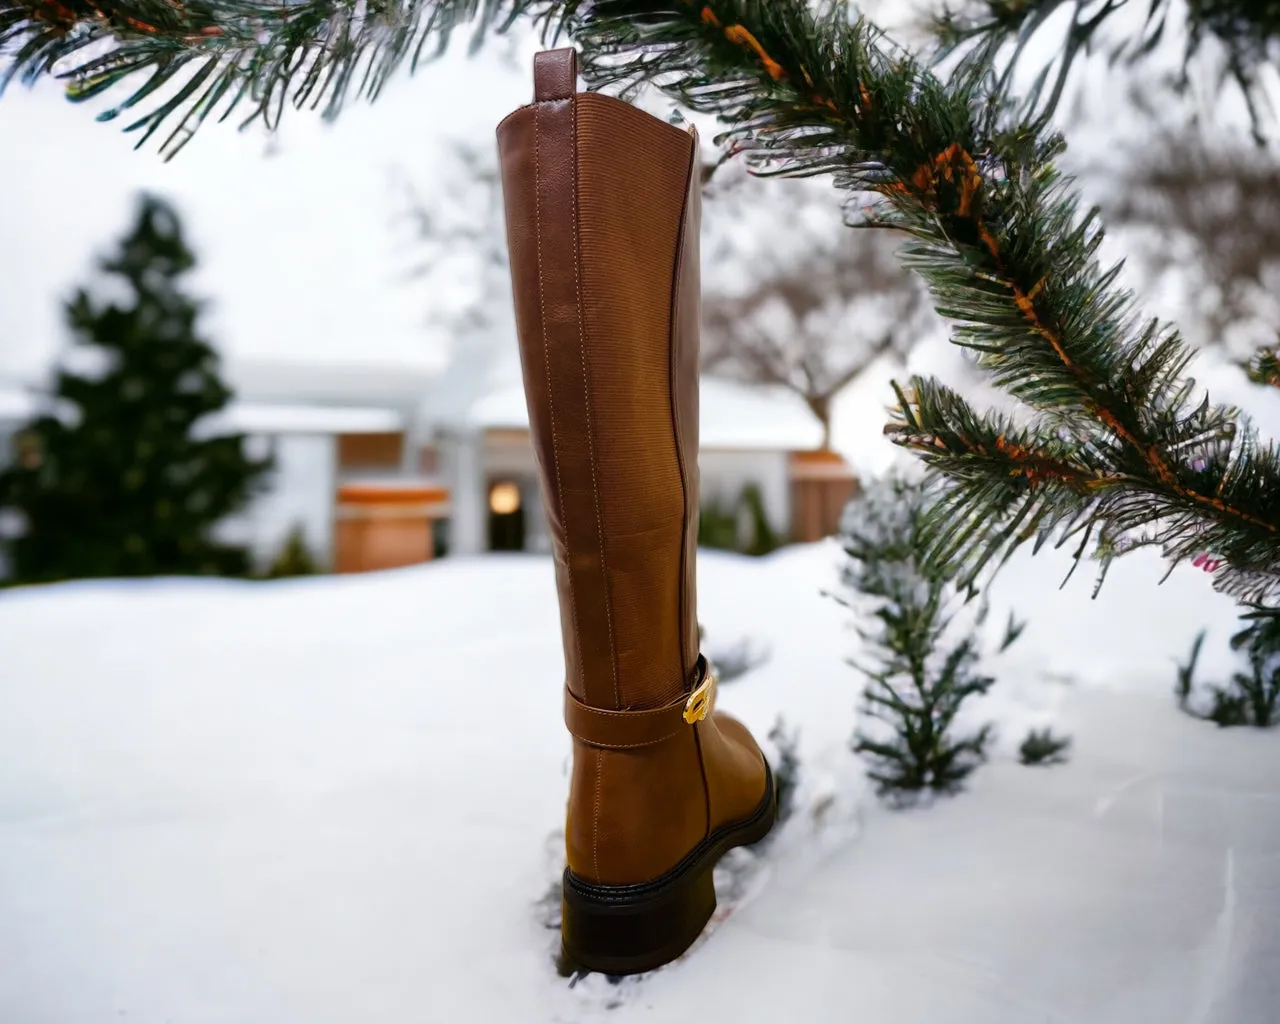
x=555 y=74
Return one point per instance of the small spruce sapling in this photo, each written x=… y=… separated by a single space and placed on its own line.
x=1042 y=747
x=923 y=661
x=1185 y=684
x=786 y=766
x=1252 y=697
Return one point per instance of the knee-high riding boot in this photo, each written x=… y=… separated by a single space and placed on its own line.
x=602 y=208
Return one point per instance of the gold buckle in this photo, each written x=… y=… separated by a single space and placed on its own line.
x=702 y=700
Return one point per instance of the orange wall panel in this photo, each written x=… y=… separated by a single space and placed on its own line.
x=370 y=451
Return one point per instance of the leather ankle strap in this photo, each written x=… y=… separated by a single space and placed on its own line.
x=628 y=730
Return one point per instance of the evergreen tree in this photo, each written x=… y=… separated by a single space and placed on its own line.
x=751 y=505
x=742 y=526
x=923 y=656
x=117 y=478
x=256 y=56
x=1246 y=32
x=718 y=525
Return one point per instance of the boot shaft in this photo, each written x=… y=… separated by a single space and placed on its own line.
x=602 y=205
x=602 y=209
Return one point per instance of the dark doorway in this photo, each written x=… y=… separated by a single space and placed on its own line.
x=506 y=516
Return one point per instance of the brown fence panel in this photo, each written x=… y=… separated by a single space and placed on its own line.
x=822 y=484
x=370 y=451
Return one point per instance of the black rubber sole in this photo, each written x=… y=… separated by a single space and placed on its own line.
x=628 y=929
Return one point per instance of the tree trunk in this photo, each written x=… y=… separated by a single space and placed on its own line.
x=820 y=406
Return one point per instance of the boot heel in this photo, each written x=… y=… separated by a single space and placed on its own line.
x=626 y=929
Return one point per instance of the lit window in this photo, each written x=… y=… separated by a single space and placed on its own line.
x=504 y=499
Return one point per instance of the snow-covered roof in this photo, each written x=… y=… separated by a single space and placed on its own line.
x=18 y=405
x=739 y=416
x=328 y=381
x=254 y=418
x=505 y=408
x=732 y=416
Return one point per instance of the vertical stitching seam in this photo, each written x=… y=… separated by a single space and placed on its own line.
x=702 y=770
x=546 y=354
x=586 y=392
x=595 y=816
x=673 y=374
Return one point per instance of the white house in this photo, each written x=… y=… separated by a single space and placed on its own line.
x=326 y=425
x=304 y=443
x=748 y=436
x=373 y=482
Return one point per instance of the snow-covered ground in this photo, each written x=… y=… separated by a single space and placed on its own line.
x=336 y=802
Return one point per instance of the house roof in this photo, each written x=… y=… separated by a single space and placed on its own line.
x=740 y=416
x=734 y=416
x=18 y=405
x=256 y=418
x=321 y=382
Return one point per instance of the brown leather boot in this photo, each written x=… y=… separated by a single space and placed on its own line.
x=603 y=211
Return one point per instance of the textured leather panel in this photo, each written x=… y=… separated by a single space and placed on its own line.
x=634 y=814
x=559 y=390
x=633 y=174
x=734 y=769
x=518 y=149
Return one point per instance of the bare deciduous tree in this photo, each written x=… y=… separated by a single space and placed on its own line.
x=1205 y=211
x=813 y=323
x=457 y=237
x=811 y=318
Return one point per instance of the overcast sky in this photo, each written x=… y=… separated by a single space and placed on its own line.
x=294 y=238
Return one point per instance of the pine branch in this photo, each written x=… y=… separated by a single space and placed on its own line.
x=1035 y=484
x=228 y=55
x=1247 y=32
x=1264 y=368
